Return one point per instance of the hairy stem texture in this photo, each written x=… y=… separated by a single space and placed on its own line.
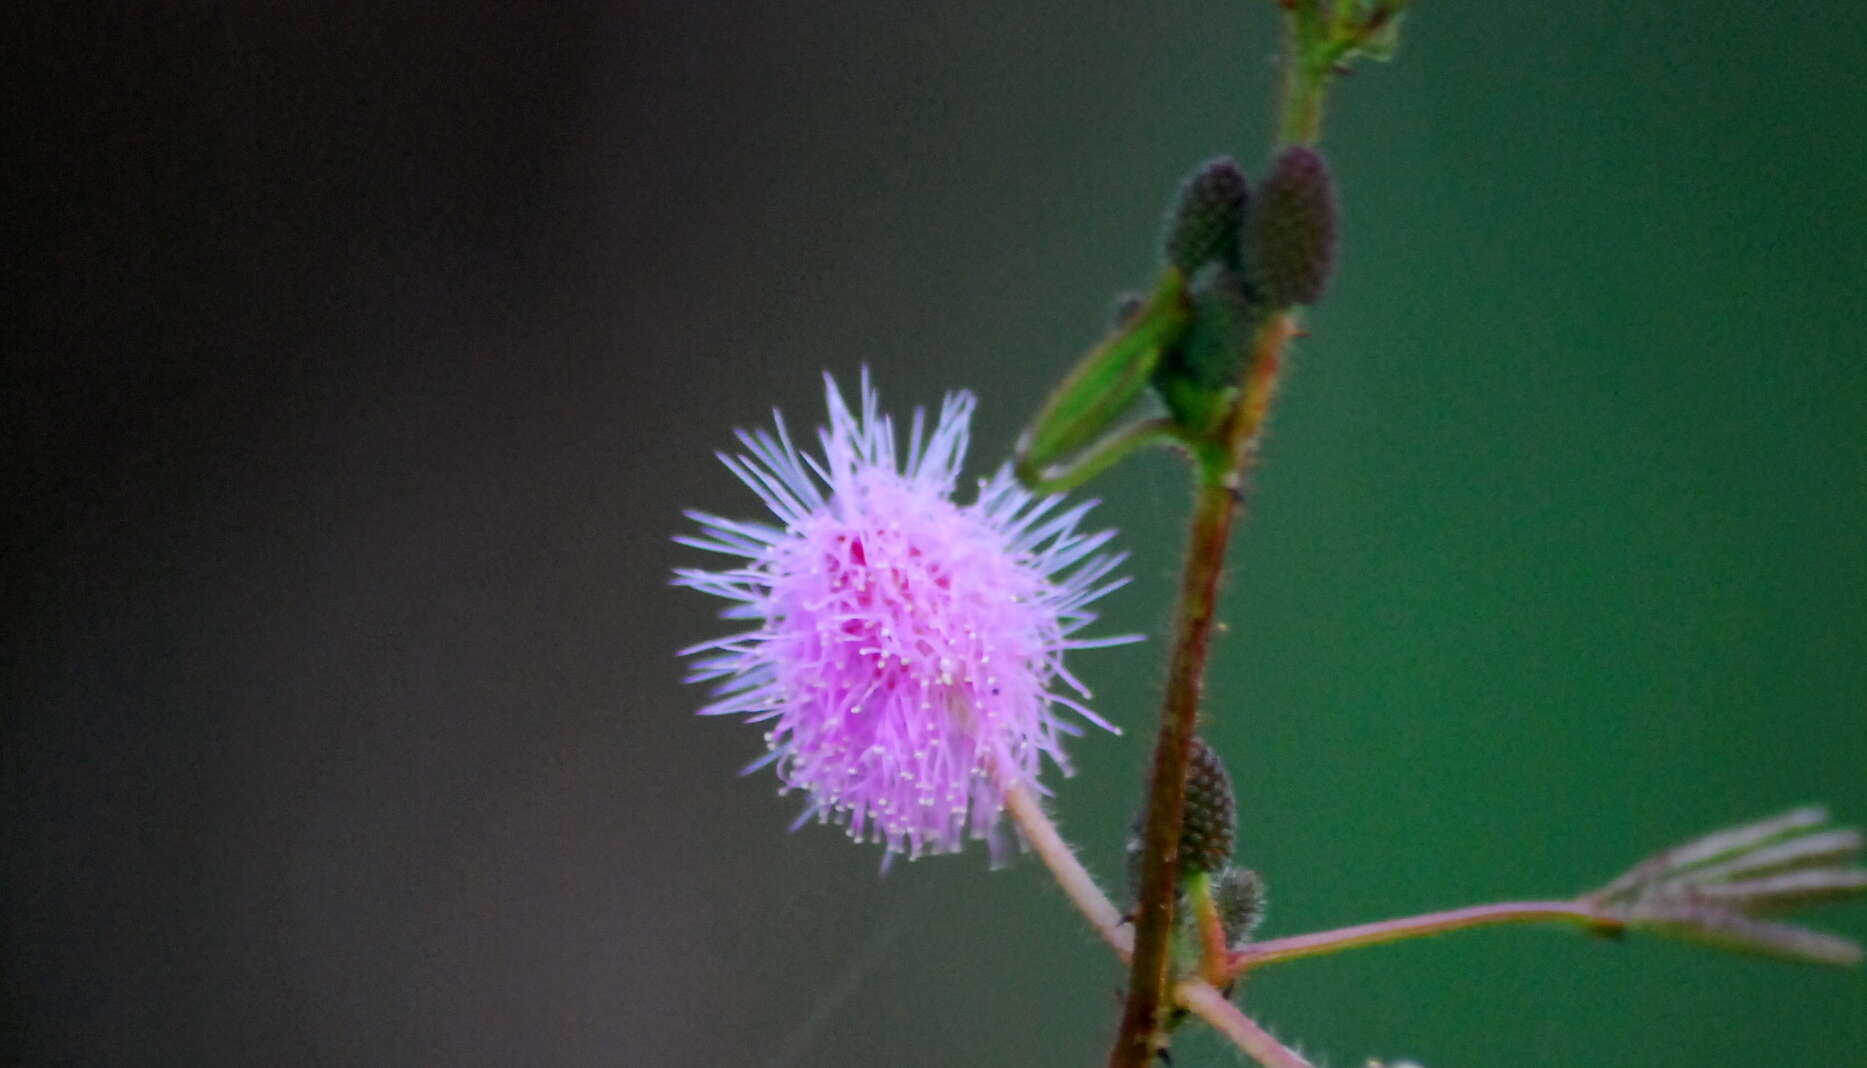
x=1215 y=507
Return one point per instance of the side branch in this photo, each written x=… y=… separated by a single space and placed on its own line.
x=1321 y=943
x=1214 y=1008
x=1078 y=885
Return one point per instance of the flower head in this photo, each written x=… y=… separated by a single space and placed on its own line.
x=907 y=649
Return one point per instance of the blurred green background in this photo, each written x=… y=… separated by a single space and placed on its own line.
x=372 y=364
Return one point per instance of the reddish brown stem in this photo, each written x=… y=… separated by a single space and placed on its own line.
x=1214 y=510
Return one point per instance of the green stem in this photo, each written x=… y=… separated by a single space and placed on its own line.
x=1102 y=455
x=1321 y=943
x=1214 y=961
x=1306 y=77
x=1319 y=42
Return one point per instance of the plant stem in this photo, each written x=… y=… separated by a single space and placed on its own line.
x=1307 y=69
x=1200 y=998
x=1214 y=961
x=1078 y=885
x=1212 y=525
x=1310 y=55
x=1320 y=943
x=1213 y=1007
x=1221 y=470
x=1100 y=456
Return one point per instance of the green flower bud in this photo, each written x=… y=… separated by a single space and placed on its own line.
x=1221 y=331
x=1194 y=378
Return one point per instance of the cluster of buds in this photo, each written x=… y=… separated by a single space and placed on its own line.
x=1234 y=262
x=1243 y=259
x=1279 y=245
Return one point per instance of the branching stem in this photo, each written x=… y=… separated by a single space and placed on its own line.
x=1198 y=997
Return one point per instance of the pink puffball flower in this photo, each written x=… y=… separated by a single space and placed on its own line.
x=907 y=650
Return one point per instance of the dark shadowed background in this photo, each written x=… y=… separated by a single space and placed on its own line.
x=359 y=365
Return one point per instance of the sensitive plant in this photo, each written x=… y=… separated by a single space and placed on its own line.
x=905 y=651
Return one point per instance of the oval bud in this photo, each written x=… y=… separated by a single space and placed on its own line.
x=1207 y=828
x=1291 y=232
x=1203 y=226
x=1239 y=895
